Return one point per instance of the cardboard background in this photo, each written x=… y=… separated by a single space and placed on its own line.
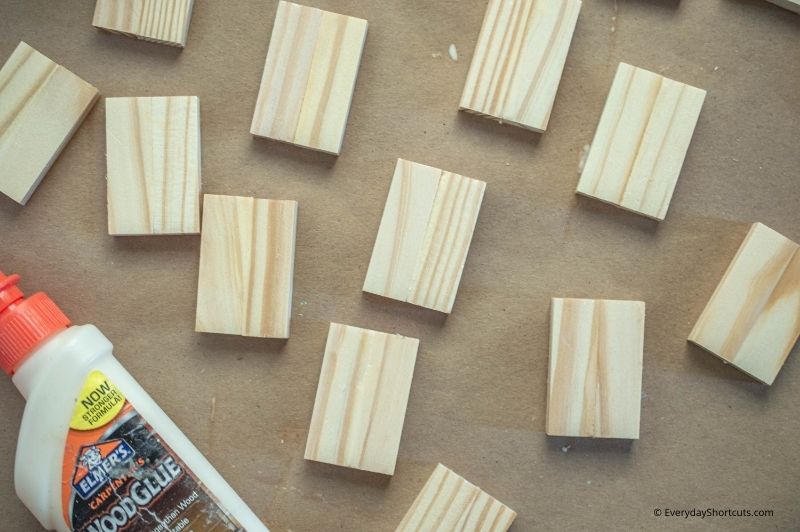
x=710 y=435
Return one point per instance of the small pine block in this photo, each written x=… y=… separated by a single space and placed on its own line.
x=752 y=320
x=246 y=266
x=791 y=5
x=161 y=21
x=449 y=502
x=641 y=141
x=153 y=159
x=361 y=399
x=517 y=66
x=309 y=77
x=594 y=383
x=424 y=236
x=41 y=106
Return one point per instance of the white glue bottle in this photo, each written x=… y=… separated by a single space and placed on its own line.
x=95 y=452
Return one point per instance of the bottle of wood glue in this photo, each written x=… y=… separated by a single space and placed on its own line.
x=95 y=452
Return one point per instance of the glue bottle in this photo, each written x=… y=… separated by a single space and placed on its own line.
x=95 y=452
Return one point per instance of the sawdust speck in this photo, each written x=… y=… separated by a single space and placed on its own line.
x=453 y=52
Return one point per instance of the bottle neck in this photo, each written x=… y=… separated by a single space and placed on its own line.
x=35 y=364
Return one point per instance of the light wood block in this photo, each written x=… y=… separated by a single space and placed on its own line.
x=41 y=106
x=424 y=236
x=641 y=141
x=791 y=5
x=449 y=502
x=309 y=77
x=161 y=21
x=246 y=266
x=517 y=66
x=752 y=320
x=594 y=383
x=361 y=399
x=153 y=159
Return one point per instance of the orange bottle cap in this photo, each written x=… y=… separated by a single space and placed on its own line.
x=24 y=322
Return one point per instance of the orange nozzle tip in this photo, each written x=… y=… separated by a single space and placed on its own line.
x=24 y=322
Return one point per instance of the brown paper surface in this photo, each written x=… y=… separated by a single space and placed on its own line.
x=711 y=437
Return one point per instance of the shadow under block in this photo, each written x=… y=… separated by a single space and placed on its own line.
x=309 y=77
x=246 y=266
x=752 y=320
x=161 y=21
x=449 y=502
x=41 y=106
x=424 y=236
x=594 y=384
x=361 y=399
x=641 y=141
x=791 y=5
x=519 y=59
x=153 y=158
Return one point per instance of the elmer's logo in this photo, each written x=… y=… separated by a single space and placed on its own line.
x=99 y=462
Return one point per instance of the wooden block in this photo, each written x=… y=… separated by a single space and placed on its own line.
x=641 y=141
x=246 y=266
x=153 y=159
x=752 y=320
x=161 y=21
x=424 y=236
x=41 y=106
x=449 y=502
x=361 y=399
x=517 y=66
x=594 y=383
x=791 y=5
x=309 y=77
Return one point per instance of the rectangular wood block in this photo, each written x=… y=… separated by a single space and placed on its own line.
x=246 y=266
x=752 y=320
x=161 y=21
x=41 y=106
x=641 y=141
x=153 y=159
x=361 y=399
x=791 y=5
x=518 y=61
x=594 y=383
x=449 y=502
x=424 y=236
x=309 y=77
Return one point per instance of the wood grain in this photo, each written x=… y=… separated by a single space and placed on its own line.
x=519 y=59
x=309 y=77
x=153 y=158
x=161 y=21
x=424 y=236
x=246 y=266
x=752 y=320
x=361 y=399
x=41 y=106
x=641 y=141
x=449 y=502
x=594 y=380
x=791 y=5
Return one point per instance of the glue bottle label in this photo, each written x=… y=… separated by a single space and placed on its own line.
x=118 y=474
